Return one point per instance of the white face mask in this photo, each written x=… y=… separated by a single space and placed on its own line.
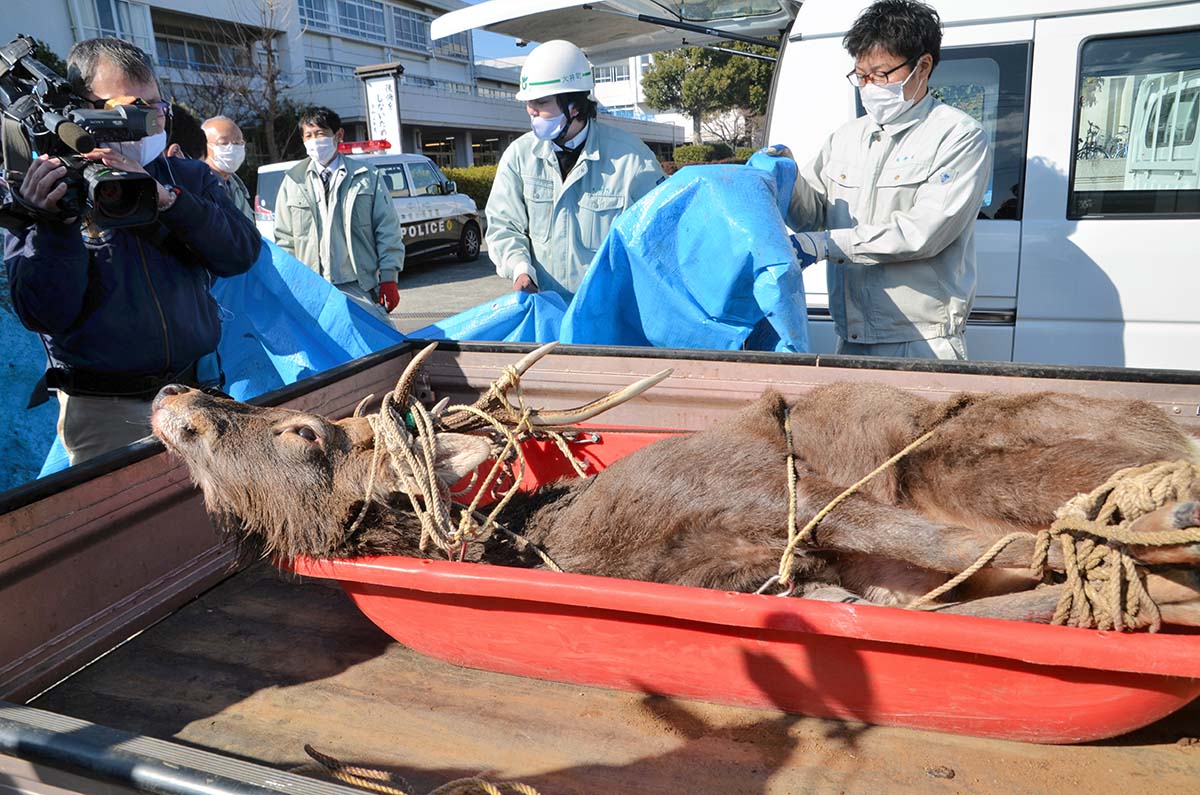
x=227 y=158
x=321 y=150
x=886 y=102
x=143 y=150
x=548 y=129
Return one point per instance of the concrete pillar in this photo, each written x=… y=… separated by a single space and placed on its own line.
x=466 y=152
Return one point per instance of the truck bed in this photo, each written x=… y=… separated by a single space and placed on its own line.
x=264 y=663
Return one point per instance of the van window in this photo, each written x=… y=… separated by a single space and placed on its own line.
x=268 y=189
x=990 y=84
x=1136 y=150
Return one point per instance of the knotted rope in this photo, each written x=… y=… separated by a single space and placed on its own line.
x=388 y=783
x=413 y=457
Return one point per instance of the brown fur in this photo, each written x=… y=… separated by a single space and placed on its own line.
x=709 y=509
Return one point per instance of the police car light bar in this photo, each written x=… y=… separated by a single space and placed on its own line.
x=362 y=147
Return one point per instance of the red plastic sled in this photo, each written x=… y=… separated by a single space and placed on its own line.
x=888 y=666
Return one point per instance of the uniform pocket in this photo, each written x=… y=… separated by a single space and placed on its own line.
x=539 y=207
x=361 y=212
x=597 y=211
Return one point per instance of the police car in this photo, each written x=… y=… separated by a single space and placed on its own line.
x=435 y=220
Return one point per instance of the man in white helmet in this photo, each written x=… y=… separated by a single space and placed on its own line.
x=559 y=188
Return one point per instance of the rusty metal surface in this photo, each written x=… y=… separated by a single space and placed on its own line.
x=263 y=664
x=85 y=567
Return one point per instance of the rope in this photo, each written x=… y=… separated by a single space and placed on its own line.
x=805 y=534
x=389 y=783
x=413 y=456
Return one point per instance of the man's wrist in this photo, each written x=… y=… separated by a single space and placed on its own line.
x=167 y=194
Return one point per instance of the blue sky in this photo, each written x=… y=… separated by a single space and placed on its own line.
x=493 y=45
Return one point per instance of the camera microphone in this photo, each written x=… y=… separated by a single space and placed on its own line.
x=69 y=133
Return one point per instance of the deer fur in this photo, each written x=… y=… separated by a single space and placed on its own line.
x=709 y=509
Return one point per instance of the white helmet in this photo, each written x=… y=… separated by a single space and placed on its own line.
x=556 y=67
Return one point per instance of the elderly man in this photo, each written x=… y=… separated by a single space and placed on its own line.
x=890 y=201
x=225 y=154
x=124 y=311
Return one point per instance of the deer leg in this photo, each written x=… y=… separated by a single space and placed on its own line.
x=863 y=525
x=1037 y=605
x=1176 y=516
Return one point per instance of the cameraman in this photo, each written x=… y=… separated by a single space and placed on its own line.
x=124 y=311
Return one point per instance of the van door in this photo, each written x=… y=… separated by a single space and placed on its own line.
x=1112 y=216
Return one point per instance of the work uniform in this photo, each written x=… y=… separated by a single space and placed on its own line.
x=349 y=232
x=548 y=227
x=900 y=202
x=238 y=194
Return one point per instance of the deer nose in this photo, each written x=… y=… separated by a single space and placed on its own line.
x=167 y=391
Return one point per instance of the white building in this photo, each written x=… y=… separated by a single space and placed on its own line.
x=619 y=90
x=451 y=109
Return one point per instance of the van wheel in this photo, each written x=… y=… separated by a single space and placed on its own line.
x=469 y=243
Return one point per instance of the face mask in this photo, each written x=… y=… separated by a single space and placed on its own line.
x=321 y=150
x=886 y=102
x=227 y=157
x=548 y=129
x=143 y=150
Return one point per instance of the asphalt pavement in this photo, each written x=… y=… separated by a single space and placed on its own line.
x=435 y=289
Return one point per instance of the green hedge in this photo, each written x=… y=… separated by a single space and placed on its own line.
x=744 y=152
x=475 y=182
x=693 y=153
x=720 y=151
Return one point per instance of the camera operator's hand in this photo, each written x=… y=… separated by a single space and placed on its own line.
x=114 y=159
x=42 y=185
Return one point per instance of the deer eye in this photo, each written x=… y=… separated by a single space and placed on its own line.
x=305 y=432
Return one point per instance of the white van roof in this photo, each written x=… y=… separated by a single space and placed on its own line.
x=820 y=18
x=610 y=31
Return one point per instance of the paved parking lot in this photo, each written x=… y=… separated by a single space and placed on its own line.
x=433 y=290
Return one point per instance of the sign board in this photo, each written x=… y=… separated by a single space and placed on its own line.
x=383 y=103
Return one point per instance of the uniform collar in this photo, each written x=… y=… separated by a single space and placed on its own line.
x=914 y=115
x=338 y=162
x=591 y=150
x=574 y=143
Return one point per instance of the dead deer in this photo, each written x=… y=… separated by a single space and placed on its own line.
x=709 y=509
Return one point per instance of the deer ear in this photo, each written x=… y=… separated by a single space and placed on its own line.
x=459 y=454
x=358 y=430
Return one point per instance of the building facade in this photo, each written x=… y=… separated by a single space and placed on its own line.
x=452 y=109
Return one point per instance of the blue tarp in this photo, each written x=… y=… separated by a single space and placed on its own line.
x=702 y=261
x=281 y=322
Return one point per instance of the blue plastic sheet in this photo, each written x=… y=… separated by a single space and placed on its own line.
x=702 y=261
x=280 y=322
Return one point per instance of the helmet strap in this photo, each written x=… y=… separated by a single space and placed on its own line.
x=565 y=107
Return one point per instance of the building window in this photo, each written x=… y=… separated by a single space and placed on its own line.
x=416 y=80
x=611 y=74
x=178 y=48
x=315 y=14
x=412 y=29
x=491 y=92
x=361 y=18
x=456 y=46
x=324 y=72
x=1136 y=145
x=486 y=152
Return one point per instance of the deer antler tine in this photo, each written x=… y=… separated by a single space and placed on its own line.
x=589 y=410
x=533 y=357
x=404 y=385
x=362 y=405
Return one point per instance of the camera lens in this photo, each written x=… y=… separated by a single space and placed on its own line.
x=114 y=200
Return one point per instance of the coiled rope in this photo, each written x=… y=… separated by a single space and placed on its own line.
x=389 y=783
x=413 y=456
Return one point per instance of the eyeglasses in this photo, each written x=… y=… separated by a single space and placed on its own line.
x=877 y=78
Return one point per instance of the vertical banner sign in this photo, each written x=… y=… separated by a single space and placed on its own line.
x=383 y=110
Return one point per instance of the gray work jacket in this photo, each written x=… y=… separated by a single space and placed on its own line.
x=900 y=202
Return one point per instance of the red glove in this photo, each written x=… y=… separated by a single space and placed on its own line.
x=389 y=295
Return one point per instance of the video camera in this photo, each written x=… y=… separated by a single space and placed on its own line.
x=39 y=107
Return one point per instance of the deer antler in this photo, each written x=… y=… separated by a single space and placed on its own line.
x=495 y=401
x=409 y=376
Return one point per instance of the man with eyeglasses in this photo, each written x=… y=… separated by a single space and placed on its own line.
x=890 y=201
x=123 y=312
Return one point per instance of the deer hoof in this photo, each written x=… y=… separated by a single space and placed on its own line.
x=1179 y=516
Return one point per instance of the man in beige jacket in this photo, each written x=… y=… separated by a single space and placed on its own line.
x=336 y=216
x=890 y=201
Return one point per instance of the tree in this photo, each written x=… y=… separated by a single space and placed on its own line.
x=48 y=58
x=244 y=80
x=707 y=81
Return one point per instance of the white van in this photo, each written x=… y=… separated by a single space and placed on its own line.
x=1089 y=238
